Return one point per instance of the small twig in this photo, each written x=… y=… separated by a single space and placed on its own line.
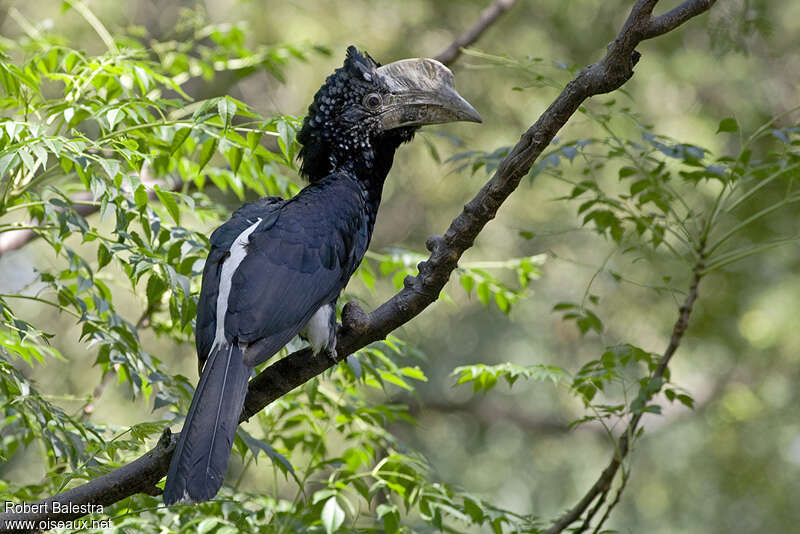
x=88 y=409
x=603 y=483
x=588 y=521
x=490 y=412
x=614 y=503
x=487 y=17
x=95 y=23
x=146 y=317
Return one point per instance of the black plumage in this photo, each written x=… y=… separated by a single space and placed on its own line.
x=278 y=266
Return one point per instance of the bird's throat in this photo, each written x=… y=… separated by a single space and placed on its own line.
x=370 y=167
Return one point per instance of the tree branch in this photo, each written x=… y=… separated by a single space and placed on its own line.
x=485 y=412
x=487 y=17
x=603 y=484
x=359 y=328
x=677 y=16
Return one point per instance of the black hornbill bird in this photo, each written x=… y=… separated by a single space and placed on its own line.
x=276 y=268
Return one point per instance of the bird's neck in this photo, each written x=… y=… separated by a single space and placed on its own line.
x=370 y=167
x=370 y=181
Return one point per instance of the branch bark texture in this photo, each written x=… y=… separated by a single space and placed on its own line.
x=359 y=328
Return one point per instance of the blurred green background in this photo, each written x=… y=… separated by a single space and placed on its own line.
x=732 y=464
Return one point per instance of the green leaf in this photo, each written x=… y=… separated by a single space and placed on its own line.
x=527 y=235
x=113 y=116
x=564 y=306
x=414 y=372
x=110 y=166
x=253 y=139
x=285 y=138
x=502 y=302
x=390 y=517
x=226 y=110
x=178 y=139
x=206 y=151
x=483 y=293
x=205 y=111
x=468 y=283
x=103 y=256
x=235 y=158
x=27 y=159
x=6 y=162
x=728 y=125
x=155 y=288
x=207 y=524
x=140 y=196
x=332 y=516
x=396 y=380
x=686 y=400
x=167 y=198
x=66 y=164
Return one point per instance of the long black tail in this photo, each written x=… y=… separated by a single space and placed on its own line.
x=204 y=446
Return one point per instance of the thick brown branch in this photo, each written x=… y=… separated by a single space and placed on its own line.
x=487 y=17
x=139 y=476
x=360 y=329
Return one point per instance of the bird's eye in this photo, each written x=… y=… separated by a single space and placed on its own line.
x=372 y=101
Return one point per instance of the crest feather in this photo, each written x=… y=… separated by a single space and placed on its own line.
x=358 y=68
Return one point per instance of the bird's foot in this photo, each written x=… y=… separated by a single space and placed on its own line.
x=329 y=353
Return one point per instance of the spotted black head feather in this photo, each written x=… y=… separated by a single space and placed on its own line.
x=338 y=126
x=365 y=111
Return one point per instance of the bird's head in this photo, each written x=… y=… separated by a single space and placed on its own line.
x=365 y=111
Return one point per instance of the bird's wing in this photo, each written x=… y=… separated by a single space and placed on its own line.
x=291 y=269
x=298 y=258
x=221 y=241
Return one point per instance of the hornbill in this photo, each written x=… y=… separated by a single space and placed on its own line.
x=277 y=267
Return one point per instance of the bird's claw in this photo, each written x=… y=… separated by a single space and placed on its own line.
x=329 y=354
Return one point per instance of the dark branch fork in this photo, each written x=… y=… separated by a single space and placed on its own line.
x=360 y=328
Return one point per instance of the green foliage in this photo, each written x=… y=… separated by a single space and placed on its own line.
x=473 y=276
x=660 y=201
x=485 y=377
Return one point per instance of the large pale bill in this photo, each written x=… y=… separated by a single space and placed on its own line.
x=422 y=92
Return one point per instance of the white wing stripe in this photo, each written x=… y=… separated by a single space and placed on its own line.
x=237 y=253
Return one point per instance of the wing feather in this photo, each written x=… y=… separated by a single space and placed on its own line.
x=299 y=261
